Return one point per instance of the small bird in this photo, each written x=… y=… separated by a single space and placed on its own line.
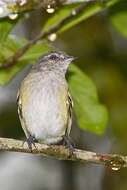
x=44 y=101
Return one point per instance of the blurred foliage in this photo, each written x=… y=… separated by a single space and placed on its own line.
x=91 y=115
x=112 y=87
x=13 y=7
x=10 y=47
x=89 y=10
x=118 y=17
x=7 y=128
x=5 y=27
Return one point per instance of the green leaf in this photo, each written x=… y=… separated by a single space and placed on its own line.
x=118 y=17
x=5 y=28
x=36 y=51
x=8 y=74
x=90 y=114
x=59 y=15
x=90 y=10
x=30 y=56
x=9 y=47
x=9 y=44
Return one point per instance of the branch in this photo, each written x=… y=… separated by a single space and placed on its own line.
x=113 y=161
x=17 y=6
x=55 y=28
x=20 y=52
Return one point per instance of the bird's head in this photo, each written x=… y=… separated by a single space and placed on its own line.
x=56 y=61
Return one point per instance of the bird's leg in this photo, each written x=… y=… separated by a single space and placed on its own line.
x=31 y=141
x=68 y=143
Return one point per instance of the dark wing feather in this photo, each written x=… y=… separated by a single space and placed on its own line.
x=19 y=106
x=70 y=106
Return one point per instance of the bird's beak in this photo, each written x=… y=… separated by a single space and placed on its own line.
x=71 y=58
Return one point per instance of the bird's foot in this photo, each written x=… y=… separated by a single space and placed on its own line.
x=67 y=142
x=31 y=141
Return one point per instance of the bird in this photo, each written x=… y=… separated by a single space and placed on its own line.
x=44 y=101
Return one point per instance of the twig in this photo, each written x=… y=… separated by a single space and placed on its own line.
x=9 y=7
x=113 y=161
x=55 y=28
x=13 y=59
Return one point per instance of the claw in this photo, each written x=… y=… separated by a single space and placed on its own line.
x=67 y=142
x=31 y=141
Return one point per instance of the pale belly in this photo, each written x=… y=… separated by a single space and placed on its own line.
x=44 y=116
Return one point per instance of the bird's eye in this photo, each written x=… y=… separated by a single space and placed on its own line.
x=53 y=57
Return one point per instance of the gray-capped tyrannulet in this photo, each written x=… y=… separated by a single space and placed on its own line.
x=44 y=102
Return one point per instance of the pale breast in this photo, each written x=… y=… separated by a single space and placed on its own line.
x=45 y=109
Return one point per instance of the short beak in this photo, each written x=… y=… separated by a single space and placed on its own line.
x=71 y=58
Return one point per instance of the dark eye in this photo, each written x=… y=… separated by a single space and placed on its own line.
x=53 y=57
